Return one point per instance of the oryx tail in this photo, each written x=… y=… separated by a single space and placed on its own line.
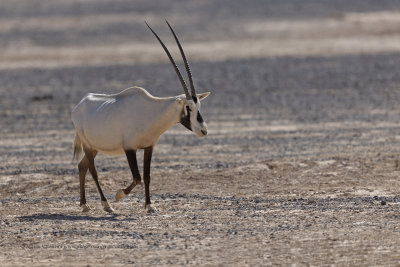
x=77 y=147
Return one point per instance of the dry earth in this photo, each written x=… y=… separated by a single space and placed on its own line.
x=301 y=164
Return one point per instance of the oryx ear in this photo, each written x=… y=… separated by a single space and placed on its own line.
x=203 y=95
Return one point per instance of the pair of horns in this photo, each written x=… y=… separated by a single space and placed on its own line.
x=178 y=73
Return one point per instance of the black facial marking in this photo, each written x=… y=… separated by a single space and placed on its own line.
x=199 y=117
x=194 y=99
x=185 y=119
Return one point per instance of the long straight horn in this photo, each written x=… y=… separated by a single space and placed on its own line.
x=189 y=73
x=173 y=64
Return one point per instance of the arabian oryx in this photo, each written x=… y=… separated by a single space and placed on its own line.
x=130 y=120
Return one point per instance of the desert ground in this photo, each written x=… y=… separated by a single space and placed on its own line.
x=301 y=164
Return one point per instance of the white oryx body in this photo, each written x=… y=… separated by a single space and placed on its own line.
x=130 y=120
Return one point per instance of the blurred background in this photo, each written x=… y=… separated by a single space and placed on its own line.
x=45 y=33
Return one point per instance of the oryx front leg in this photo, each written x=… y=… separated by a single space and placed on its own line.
x=90 y=154
x=132 y=160
x=146 y=174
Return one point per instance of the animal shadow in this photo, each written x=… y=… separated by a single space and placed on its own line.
x=66 y=217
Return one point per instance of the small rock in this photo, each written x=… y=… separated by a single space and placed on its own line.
x=383 y=202
x=43 y=97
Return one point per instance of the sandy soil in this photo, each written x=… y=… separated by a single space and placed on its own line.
x=301 y=164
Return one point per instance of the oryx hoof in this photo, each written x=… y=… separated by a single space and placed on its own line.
x=107 y=207
x=149 y=209
x=85 y=207
x=120 y=194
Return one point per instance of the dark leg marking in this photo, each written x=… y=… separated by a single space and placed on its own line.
x=92 y=169
x=83 y=167
x=137 y=179
x=148 y=151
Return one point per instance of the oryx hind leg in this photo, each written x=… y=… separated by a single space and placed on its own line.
x=132 y=160
x=90 y=154
x=83 y=167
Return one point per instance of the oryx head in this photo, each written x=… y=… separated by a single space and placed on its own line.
x=190 y=117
